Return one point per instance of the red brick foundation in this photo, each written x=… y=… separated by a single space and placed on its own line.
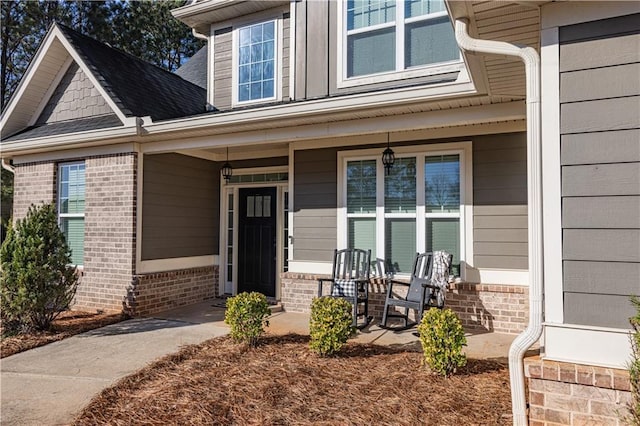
x=151 y=293
x=485 y=307
x=574 y=394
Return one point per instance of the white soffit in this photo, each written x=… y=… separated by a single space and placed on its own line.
x=512 y=22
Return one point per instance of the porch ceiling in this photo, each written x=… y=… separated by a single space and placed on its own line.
x=513 y=22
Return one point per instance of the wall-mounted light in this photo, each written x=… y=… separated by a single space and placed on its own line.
x=227 y=170
x=388 y=158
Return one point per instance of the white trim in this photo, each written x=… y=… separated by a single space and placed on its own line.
x=139 y=207
x=503 y=276
x=308 y=267
x=292 y=49
x=291 y=241
x=277 y=63
x=400 y=72
x=233 y=188
x=70 y=140
x=465 y=215
x=357 y=127
x=52 y=87
x=551 y=178
x=58 y=199
x=76 y=153
x=211 y=67
x=589 y=346
x=176 y=263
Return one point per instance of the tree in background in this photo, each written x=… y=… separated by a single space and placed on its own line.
x=144 y=29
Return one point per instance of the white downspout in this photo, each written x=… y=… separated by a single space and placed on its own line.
x=534 y=210
x=8 y=167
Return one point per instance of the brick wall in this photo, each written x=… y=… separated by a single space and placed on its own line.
x=150 y=293
x=34 y=183
x=574 y=394
x=110 y=231
x=499 y=308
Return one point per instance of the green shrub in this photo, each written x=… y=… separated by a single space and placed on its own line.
x=330 y=325
x=246 y=315
x=634 y=367
x=37 y=281
x=442 y=339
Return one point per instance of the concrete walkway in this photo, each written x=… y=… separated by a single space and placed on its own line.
x=51 y=384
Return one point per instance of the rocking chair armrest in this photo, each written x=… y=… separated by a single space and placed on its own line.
x=392 y=281
x=321 y=281
x=427 y=285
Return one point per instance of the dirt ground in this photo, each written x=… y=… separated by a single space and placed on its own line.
x=66 y=325
x=281 y=382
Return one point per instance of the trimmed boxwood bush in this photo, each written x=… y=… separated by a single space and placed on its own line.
x=442 y=339
x=37 y=282
x=246 y=315
x=330 y=325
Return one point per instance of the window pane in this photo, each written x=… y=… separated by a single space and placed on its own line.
x=400 y=187
x=365 y=13
x=400 y=243
x=73 y=229
x=362 y=234
x=422 y=7
x=444 y=234
x=371 y=52
x=430 y=42
x=361 y=186
x=442 y=183
x=250 y=206
x=256 y=62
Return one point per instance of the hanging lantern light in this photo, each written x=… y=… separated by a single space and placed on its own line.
x=388 y=158
x=227 y=170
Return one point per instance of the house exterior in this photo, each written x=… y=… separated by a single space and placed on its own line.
x=301 y=98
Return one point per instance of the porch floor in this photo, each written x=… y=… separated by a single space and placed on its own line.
x=479 y=345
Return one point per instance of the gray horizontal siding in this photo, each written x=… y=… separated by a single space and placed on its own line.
x=601 y=179
x=610 y=245
x=597 y=309
x=600 y=115
x=601 y=147
x=601 y=212
x=602 y=53
x=500 y=201
x=622 y=80
x=180 y=207
x=621 y=278
x=315 y=202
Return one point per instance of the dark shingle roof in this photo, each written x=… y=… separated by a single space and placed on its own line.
x=195 y=69
x=137 y=87
x=70 y=126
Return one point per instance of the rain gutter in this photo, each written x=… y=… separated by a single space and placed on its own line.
x=533 y=331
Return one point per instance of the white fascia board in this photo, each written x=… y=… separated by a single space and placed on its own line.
x=510 y=111
x=120 y=148
x=605 y=347
x=26 y=79
x=316 y=107
x=68 y=141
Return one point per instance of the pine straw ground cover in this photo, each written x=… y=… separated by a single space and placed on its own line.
x=68 y=324
x=281 y=382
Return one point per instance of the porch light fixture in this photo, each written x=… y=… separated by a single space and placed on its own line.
x=388 y=158
x=227 y=170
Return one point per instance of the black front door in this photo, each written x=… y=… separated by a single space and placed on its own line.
x=257 y=241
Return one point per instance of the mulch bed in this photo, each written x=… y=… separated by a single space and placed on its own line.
x=69 y=323
x=281 y=382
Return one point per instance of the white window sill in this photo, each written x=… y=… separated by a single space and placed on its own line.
x=426 y=71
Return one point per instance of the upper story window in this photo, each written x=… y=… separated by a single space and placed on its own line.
x=255 y=62
x=394 y=36
x=71 y=190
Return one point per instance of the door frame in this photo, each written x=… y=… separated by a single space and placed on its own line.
x=230 y=287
